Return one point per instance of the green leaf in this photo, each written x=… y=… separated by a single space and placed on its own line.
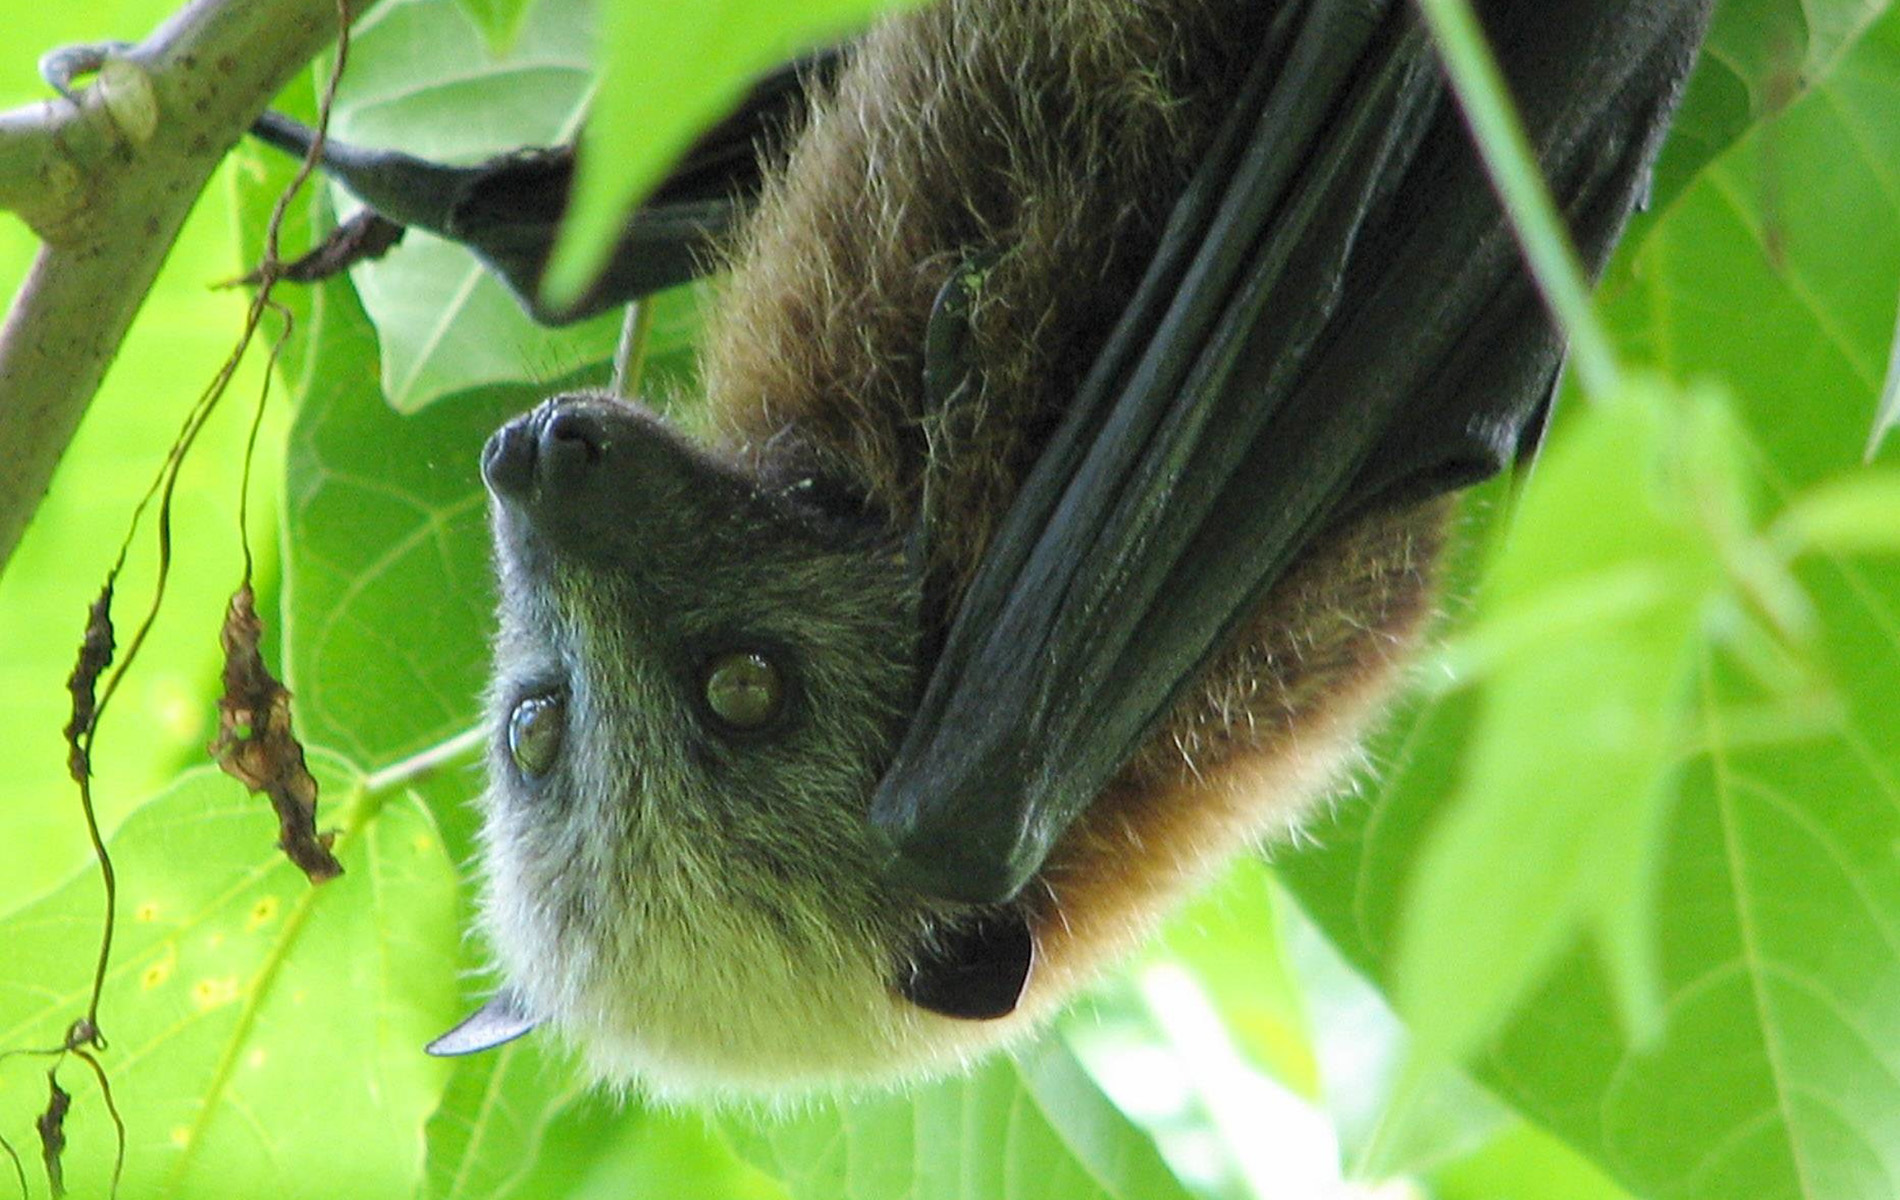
x=656 y=1152
x=518 y=1124
x=256 y=1024
x=418 y=70
x=1888 y=414
x=388 y=591
x=1856 y=514
x=1759 y=57
x=669 y=71
x=1163 y=1054
x=1390 y=1122
x=1603 y=581
x=1524 y=1161
x=499 y=20
x=1014 y=1129
x=1778 y=891
x=486 y=1138
x=1230 y=938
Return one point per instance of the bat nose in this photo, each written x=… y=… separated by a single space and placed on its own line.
x=508 y=460
x=570 y=444
x=550 y=449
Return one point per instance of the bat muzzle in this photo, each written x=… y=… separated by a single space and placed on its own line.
x=602 y=481
x=548 y=451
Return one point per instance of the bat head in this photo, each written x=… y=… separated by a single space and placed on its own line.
x=699 y=674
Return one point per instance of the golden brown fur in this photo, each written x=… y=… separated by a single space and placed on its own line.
x=1073 y=130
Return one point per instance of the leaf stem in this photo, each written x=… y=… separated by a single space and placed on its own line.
x=630 y=357
x=396 y=774
x=1512 y=165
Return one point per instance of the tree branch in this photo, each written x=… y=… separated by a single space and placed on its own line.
x=29 y=168
x=106 y=182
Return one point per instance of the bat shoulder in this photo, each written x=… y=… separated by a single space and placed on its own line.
x=1050 y=139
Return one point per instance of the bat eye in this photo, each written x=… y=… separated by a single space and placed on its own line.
x=744 y=690
x=535 y=729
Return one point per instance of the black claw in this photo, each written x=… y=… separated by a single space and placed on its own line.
x=975 y=971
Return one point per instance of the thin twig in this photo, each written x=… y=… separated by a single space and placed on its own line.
x=396 y=774
x=19 y=1168
x=630 y=356
x=205 y=76
x=112 y=1110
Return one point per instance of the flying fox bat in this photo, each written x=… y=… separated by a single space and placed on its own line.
x=1088 y=385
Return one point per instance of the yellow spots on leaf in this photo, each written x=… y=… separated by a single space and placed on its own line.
x=263 y=913
x=180 y=1136
x=160 y=970
x=213 y=992
x=422 y=843
x=146 y=913
x=255 y=1059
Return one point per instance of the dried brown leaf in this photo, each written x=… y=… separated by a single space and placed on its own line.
x=52 y=1127
x=95 y=655
x=255 y=744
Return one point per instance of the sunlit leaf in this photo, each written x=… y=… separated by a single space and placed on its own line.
x=1528 y=1162
x=1778 y=889
x=1855 y=514
x=486 y=1138
x=388 y=596
x=423 y=80
x=255 y=1023
x=1015 y=1129
x=651 y=1152
x=1604 y=579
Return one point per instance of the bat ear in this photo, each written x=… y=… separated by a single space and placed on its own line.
x=503 y=1019
x=975 y=971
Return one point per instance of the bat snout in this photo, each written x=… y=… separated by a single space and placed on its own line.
x=571 y=443
x=603 y=481
x=508 y=460
x=554 y=449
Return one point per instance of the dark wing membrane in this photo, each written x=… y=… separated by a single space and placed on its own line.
x=1337 y=317
x=508 y=208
